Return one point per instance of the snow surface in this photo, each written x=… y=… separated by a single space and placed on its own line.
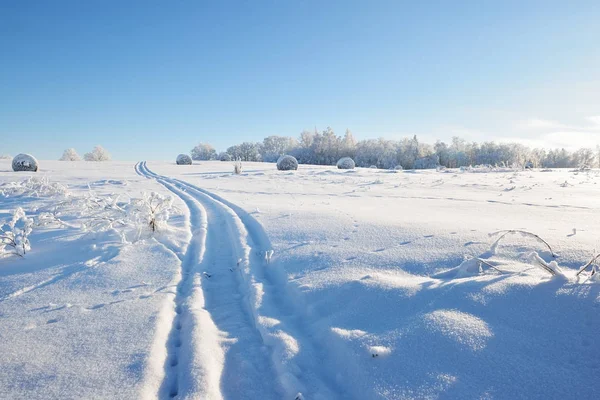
x=317 y=283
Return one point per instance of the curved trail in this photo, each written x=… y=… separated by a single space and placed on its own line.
x=214 y=350
x=269 y=352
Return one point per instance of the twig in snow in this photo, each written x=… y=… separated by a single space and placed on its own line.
x=521 y=232
x=586 y=266
x=489 y=265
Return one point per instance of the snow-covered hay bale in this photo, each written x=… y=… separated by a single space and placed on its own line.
x=346 y=163
x=184 y=159
x=287 y=163
x=25 y=162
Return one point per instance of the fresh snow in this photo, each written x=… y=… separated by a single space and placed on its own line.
x=311 y=284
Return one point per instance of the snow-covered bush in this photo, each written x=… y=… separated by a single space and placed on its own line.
x=237 y=167
x=373 y=167
x=14 y=235
x=70 y=155
x=345 y=163
x=225 y=157
x=25 y=162
x=398 y=167
x=152 y=210
x=34 y=187
x=183 y=159
x=287 y=163
x=98 y=154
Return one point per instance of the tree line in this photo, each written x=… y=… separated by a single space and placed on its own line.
x=326 y=148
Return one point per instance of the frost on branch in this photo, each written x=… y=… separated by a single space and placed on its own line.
x=152 y=210
x=14 y=235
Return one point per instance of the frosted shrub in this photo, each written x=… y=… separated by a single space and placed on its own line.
x=152 y=210
x=70 y=155
x=237 y=167
x=346 y=163
x=225 y=157
x=287 y=163
x=34 y=187
x=14 y=235
x=184 y=159
x=25 y=162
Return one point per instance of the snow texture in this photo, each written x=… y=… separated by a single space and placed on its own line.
x=388 y=287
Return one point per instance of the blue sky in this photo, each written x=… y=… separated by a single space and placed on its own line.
x=149 y=79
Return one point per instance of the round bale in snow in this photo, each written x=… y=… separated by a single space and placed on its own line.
x=346 y=163
x=24 y=162
x=184 y=159
x=287 y=163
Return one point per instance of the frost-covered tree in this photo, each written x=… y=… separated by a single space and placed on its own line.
x=325 y=148
x=274 y=147
x=98 y=154
x=203 y=152
x=70 y=155
x=246 y=151
x=584 y=157
x=348 y=145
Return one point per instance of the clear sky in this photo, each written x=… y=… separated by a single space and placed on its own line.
x=150 y=79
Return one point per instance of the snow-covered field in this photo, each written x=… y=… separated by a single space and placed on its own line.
x=312 y=284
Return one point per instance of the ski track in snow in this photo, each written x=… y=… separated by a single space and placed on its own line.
x=209 y=276
x=236 y=284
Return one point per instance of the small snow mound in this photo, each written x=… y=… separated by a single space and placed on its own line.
x=24 y=162
x=184 y=159
x=551 y=267
x=346 y=163
x=348 y=334
x=379 y=351
x=469 y=267
x=461 y=327
x=287 y=163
